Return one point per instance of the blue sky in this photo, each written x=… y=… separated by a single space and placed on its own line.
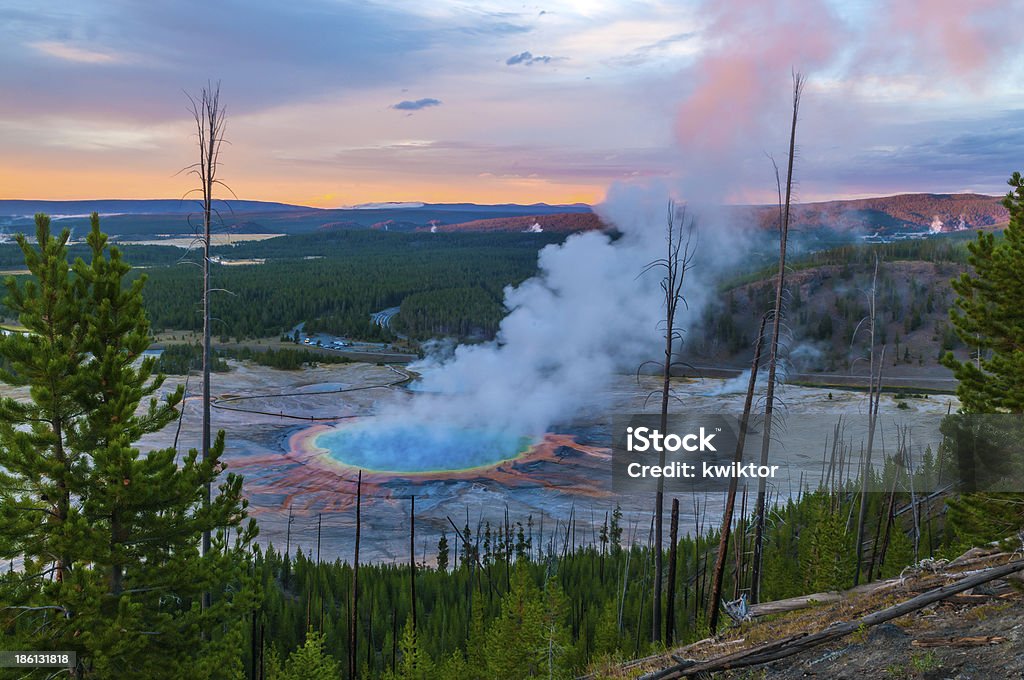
x=334 y=102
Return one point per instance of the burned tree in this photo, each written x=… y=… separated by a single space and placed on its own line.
x=773 y=348
x=677 y=261
x=730 y=501
x=874 y=392
x=209 y=116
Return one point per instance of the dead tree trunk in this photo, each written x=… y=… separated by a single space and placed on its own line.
x=874 y=393
x=677 y=261
x=673 y=554
x=412 y=560
x=730 y=501
x=209 y=117
x=354 y=620
x=773 y=350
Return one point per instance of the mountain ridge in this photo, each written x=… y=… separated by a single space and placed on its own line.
x=896 y=214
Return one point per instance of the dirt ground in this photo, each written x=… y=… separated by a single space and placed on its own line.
x=976 y=635
x=894 y=650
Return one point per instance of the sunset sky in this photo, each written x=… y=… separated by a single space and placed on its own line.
x=338 y=102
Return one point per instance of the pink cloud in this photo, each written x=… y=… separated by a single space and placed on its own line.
x=742 y=81
x=964 y=37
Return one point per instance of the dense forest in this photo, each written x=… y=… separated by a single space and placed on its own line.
x=11 y=256
x=334 y=281
x=451 y=285
x=181 y=358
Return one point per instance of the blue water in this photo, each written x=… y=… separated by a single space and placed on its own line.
x=418 y=448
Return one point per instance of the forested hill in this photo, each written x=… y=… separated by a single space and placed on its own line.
x=829 y=298
x=557 y=222
x=893 y=214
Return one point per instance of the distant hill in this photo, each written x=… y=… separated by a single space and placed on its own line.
x=159 y=206
x=174 y=217
x=558 y=223
x=894 y=214
x=887 y=216
x=513 y=208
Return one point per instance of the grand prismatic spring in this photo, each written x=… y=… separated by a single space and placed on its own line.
x=300 y=439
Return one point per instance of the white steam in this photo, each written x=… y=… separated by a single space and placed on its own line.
x=737 y=385
x=585 y=316
x=588 y=315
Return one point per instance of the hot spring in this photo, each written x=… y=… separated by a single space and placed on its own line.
x=386 y=446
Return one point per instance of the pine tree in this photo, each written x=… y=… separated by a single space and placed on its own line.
x=606 y=637
x=310 y=661
x=42 y=474
x=899 y=555
x=987 y=316
x=414 y=663
x=454 y=667
x=119 y=528
x=615 y=531
x=528 y=638
x=442 y=553
x=826 y=547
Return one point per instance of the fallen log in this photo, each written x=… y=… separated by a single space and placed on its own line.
x=795 y=644
x=803 y=601
x=970 y=558
x=970 y=641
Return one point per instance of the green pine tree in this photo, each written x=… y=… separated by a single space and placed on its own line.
x=454 y=667
x=528 y=639
x=900 y=553
x=116 y=528
x=987 y=318
x=826 y=548
x=41 y=476
x=413 y=662
x=442 y=553
x=309 y=662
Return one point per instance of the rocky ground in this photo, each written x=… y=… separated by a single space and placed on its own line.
x=977 y=635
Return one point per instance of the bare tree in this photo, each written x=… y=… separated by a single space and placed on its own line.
x=354 y=620
x=874 y=392
x=209 y=116
x=773 y=349
x=677 y=261
x=730 y=501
